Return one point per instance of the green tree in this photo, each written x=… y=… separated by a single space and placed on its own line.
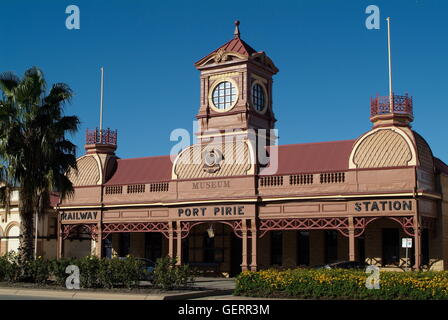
x=34 y=151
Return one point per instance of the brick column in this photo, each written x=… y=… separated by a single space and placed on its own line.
x=179 y=243
x=244 y=239
x=351 y=240
x=254 y=242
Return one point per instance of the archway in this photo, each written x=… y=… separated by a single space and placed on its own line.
x=13 y=237
x=213 y=248
x=382 y=239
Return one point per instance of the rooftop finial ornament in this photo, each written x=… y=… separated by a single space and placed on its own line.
x=236 y=34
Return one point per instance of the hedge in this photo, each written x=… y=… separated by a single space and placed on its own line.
x=94 y=272
x=342 y=284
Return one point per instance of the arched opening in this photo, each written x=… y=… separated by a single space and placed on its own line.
x=213 y=249
x=13 y=239
x=78 y=242
x=383 y=244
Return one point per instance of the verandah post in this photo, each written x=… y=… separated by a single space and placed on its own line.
x=351 y=239
x=254 y=242
x=170 y=239
x=244 y=239
x=417 y=243
x=179 y=243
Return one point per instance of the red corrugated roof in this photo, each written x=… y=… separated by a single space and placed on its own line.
x=294 y=158
x=314 y=157
x=141 y=170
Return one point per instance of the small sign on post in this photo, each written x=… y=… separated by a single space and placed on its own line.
x=406 y=243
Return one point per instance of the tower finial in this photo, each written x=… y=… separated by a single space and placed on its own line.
x=236 y=34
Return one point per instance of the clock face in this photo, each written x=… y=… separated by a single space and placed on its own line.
x=224 y=96
x=258 y=97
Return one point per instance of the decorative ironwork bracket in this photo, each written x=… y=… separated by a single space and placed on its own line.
x=236 y=225
x=161 y=227
x=90 y=228
x=339 y=224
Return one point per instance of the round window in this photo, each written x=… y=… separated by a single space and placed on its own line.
x=258 y=98
x=224 y=95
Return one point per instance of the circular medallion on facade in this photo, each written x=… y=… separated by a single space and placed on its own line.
x=212 y=160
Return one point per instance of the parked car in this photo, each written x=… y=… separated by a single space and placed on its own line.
x=148 y=267
x=343 y=265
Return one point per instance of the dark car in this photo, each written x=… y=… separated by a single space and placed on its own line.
x=343 y=265
x=148 y=267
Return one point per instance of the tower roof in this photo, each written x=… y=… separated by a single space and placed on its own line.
x=237 y=47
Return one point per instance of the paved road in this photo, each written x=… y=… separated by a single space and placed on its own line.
x=211 y=287
x=19 y=297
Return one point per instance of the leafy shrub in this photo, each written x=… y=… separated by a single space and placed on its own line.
x=4 y=265
x=94 y=272
x=342 y=284
x=36 y=271
x=14 y=269
x=9 y=270
x=89 y=269
x=115 y=272
x=167 y=275
x=57 y=269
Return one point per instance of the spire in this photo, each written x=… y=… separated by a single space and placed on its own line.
x=236 y=34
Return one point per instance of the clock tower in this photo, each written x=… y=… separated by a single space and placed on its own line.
x=236 y=90
x=235 y=114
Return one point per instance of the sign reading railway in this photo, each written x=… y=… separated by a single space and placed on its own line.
x=79 y=215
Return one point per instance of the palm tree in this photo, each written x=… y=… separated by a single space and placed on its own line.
x=34 y=151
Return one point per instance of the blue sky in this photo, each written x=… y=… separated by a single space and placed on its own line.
x=330 y=63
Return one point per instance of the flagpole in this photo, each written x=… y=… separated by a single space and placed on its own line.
x=391 y=93
x=101 y=103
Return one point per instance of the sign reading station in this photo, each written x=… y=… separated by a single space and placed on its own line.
x=79 y=215
x=211 y=211
x=384 y=205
